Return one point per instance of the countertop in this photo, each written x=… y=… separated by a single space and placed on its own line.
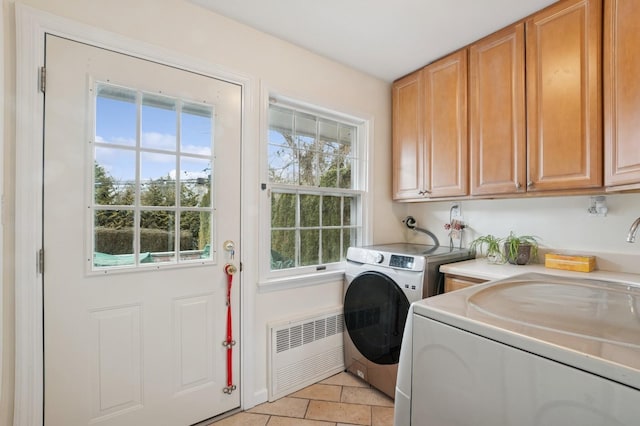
x=481 y=269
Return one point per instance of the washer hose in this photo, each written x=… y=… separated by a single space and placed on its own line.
x=411 y=223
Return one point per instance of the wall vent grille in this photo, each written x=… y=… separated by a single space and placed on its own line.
x=304 y=351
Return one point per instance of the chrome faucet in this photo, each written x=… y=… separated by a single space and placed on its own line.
x=631 y=238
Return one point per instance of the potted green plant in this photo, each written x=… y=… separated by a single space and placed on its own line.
x=520 y=249
x=492 y=245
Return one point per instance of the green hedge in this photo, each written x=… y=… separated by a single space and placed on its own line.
x=120 y=241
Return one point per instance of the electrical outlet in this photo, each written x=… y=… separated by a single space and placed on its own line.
x=455 y=211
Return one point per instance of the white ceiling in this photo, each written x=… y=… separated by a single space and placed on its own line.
x=384 y=38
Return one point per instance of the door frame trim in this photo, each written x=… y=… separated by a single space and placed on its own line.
x=31 y=27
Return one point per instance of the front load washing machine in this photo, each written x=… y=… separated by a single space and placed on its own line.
x=380 y=283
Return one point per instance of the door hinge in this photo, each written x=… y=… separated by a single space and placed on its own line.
x=41 y=261
x=43 y=79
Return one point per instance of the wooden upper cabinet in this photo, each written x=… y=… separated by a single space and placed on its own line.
x=408 y=141
x=430 y=142
x=564 y=138
x=497 y=117
x=622 y=92
x=445 y=126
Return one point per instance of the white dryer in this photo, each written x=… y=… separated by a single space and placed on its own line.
x=380 y=283
x=530 y=350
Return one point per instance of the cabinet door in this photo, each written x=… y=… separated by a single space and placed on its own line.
x=408 y=150
x=622 y=92
x=453 y=282
x=497 y=126
x=445 y=131
x=563 y=96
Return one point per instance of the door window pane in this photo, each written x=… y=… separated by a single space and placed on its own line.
x=195 y=235
x=114 y=180
x=158 y=122
x=113 y=238
x=157 y=185
x=195 y=182
x=157 y=234
x=116 y=115
x=196 y=126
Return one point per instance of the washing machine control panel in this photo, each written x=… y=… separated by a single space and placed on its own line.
x=386 y=259
x=398 y=261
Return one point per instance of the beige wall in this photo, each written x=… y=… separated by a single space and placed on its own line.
x=562 y=223
x=189 y=30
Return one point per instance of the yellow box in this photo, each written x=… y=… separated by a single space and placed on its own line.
x=570 y=262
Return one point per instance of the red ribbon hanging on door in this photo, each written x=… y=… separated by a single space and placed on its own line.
x=229 y=269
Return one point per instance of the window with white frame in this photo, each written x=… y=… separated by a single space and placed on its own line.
x=316 y=181
x=152 y=179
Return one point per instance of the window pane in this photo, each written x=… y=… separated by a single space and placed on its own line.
x=281 y=123
x=114 y=177
x=347 y=135
x=347 y=211
x=309 y=210
x=157 y=234
x=195 y=129
x=113 y=231
x=305 y=131
x=283 y=249
x=283 y=165
x=158 y=122
x=200 y=228
x=308 y=167
x=331 y=245
x=195 y=231
x=307 y=144
x=157 y=179
x=328 y=133
x=116 y=115
x=329 y=171
x=344 y=173
x=195 y=184
x=331 y=211
x=283 y=210
x=309 y=247
x=349 y=238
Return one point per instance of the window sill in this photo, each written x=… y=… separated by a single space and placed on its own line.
x=297 y=281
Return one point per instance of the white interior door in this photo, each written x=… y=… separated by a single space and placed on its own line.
x=141 y=201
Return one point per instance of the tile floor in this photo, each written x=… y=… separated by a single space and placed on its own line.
x=340 y=400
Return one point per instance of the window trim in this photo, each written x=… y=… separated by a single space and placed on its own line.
x=308 y=276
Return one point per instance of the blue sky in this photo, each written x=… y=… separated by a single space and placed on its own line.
x=116 y=122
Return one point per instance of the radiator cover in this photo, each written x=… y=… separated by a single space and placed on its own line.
x=303 y=351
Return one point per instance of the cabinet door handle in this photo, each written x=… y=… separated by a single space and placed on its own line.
x=518 y=185
x=530 y=184
x=424 y=192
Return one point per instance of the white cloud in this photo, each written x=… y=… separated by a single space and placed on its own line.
x=157 y=140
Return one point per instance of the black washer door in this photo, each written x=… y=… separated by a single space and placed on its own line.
x=375 y=311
